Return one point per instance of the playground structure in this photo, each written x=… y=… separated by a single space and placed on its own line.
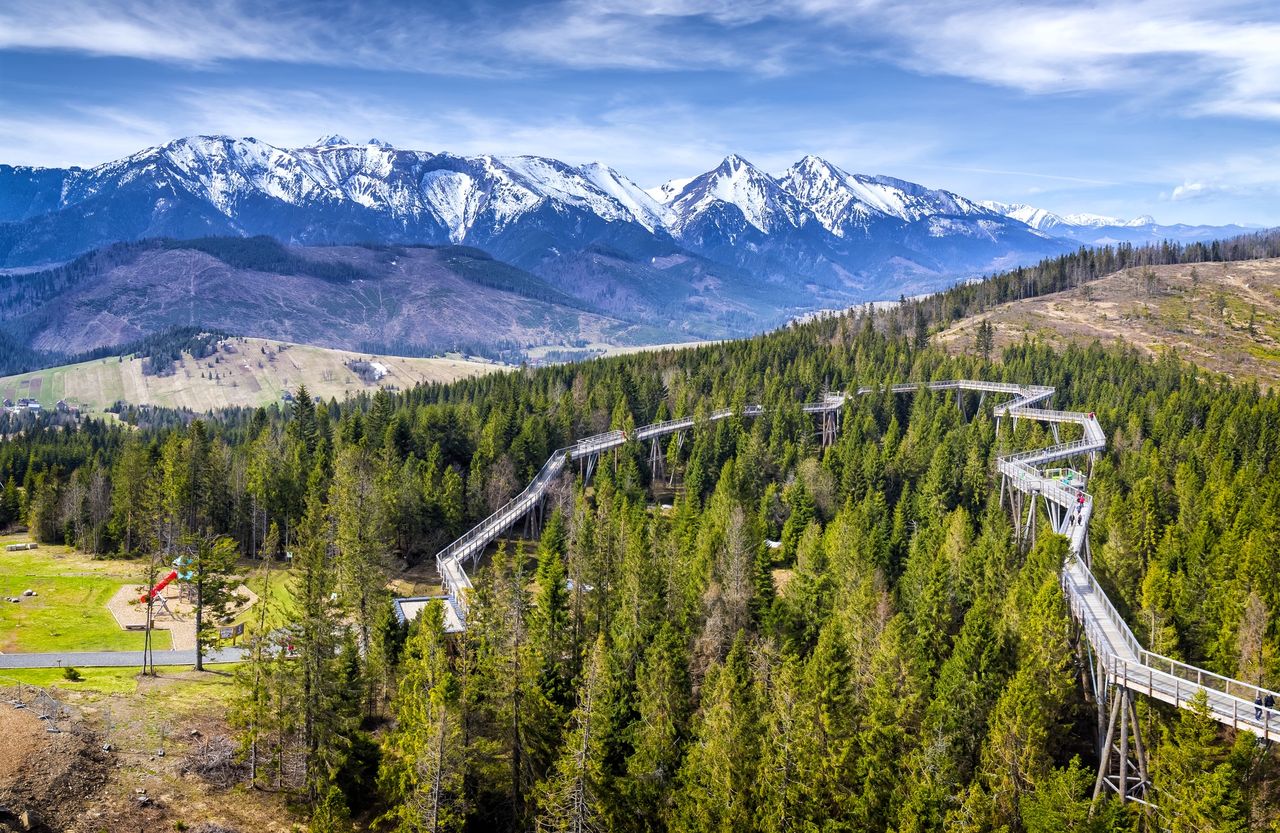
x=155 y=596
x=1118 y=666
x=172 y=606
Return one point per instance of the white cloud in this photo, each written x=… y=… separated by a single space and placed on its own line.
x=1189 y=190
x=204 y=34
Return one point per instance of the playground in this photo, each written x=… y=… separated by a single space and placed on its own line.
x=78 y=603
x=173 y=609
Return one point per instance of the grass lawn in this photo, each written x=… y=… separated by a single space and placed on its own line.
x=274 y=592
x=69 y=612
x=99 y=680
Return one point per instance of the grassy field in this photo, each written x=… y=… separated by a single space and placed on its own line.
x=1224 y=317
x=247 y=372
x=274 y=592
x=94 y=681
x=69 y=612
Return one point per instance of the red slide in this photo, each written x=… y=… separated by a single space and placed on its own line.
x=155 y=591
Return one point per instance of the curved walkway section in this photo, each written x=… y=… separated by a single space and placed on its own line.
x=1120 y=658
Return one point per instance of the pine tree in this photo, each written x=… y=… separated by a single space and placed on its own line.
x=984 y=341
x=10 y=503
x=549 y=629
x=331 y=814
x=657 y=735
x=359 y=524
x=571 y=799
x=251 y=713
x=423 y=757
x=718 y=777
x=208 y=560
x=315 y=640
x=1195 y=778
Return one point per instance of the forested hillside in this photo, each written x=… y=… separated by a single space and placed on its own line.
x=895 y=663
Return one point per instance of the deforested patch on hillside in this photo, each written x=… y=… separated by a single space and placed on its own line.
x=1224 y=317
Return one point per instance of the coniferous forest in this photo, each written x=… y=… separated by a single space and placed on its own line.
x=768 y=635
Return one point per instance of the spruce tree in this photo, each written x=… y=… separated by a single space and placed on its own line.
x=424 y=755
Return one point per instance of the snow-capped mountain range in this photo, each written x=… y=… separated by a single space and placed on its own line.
x=814 y=224
x=1100 y=230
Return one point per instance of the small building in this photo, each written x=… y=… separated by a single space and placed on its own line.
x=407 y=610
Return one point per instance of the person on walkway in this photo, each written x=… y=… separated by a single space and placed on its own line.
x=1270 y=703
x=1257 y=707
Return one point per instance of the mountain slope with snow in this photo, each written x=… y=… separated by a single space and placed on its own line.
x=816 y=229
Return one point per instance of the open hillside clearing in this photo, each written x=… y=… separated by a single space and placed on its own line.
x=1224 y=317
x=245 y=372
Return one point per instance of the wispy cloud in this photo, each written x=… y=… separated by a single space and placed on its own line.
x=1228 y=177
x=1221 y=57
x=205 y=34
x=1214 y=58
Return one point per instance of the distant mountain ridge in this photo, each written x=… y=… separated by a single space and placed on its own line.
x=852 y=234
x=1099 y=230
x=821 y=235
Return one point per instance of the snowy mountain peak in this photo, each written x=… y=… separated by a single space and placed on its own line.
x=1101 y=221
x=525 y=207
x=1043 y=220
x=669 y=190
x=1037 y=218
x=736 y=182
x=333 y=140
x=641 y=205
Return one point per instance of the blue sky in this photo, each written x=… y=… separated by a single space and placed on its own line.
x=1164 y=108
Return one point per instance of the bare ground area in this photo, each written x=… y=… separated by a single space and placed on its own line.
x=129 y=761
x=47 y=778
x=1224 y=317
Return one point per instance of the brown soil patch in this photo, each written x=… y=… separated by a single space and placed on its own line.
x=53 y=777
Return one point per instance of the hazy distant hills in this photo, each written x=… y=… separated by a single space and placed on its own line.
x=1099 y=230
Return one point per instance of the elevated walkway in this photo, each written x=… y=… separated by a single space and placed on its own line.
x=1120 y=660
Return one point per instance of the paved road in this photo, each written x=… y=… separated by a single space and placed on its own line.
x=102 y=659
